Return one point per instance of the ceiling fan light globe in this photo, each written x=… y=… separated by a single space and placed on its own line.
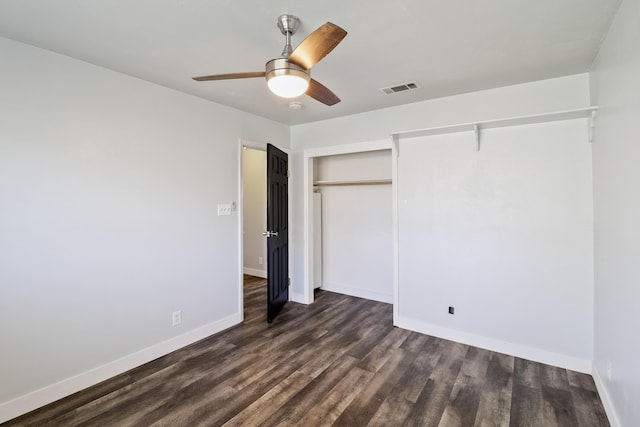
x=285 y=79
x=288 y=86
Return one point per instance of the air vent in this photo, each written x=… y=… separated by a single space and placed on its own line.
x=400 y=87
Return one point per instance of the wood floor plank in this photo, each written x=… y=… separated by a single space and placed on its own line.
x=340 y=362
x=327 y=410
x=146 y=388
x=552 y=376
x=42 y=416
x=364 y=406
x=188 y=397
x=526 y=407
x=265 y=383
x=378 y=356
x=431 y=404
x=476 y=363
x=260 y=410
x=394 y=411
x=500 y=371
x=557 y=407
x=494 y=407
x=467 y=390
x=526 y=373
x=415 y=379
x=588 y=407
x=580 y=380
x=185 y=414
x=232 y=405
x=463 y=403
x=317 y=390
x=369 y=339
x=414 y=341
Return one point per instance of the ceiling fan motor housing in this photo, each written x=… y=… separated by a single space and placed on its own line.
x=282 y=67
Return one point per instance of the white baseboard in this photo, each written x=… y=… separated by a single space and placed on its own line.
x=29 y=402
x=517 y=350
x=605 y=397
x=341 y=288
x=255 y=272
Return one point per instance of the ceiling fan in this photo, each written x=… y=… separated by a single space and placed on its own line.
x=289 y=75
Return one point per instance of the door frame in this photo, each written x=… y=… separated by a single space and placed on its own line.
x=308 y=216
x=262 y=146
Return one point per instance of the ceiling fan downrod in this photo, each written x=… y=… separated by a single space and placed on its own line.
x=288 y=25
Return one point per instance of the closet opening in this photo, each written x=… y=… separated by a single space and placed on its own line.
x=350 y=221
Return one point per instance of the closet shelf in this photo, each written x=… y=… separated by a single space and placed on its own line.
x=377 y=181
x=588 y=112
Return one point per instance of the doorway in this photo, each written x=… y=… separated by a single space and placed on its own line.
x=254 y=218
x=262 y=255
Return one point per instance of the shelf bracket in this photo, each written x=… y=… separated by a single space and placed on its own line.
x=476 y=133
x=592 y=124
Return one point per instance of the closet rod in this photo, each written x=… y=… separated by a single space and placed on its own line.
x=352 y=182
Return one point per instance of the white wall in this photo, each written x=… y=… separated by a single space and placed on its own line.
x=357 y=245
x=108 y=194
x=254 y=171
x=564 y=93
x=616 y=152
x=504 y=235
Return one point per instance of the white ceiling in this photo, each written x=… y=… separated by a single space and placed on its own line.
x=447 y=46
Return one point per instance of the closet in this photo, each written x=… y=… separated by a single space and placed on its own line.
x=353 y=228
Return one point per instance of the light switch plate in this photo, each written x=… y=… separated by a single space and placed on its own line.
x=224 y=209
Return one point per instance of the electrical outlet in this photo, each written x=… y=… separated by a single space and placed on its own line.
x=609 y=370
x=260 y=260
x=451 y=310
x=176 y=317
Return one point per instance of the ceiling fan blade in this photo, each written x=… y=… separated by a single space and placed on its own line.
x=317 y=45
x=321 y=93
x=230 y=76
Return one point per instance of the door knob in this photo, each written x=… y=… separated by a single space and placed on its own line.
x=270 y=233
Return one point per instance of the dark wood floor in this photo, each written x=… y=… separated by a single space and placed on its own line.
x=335 y=362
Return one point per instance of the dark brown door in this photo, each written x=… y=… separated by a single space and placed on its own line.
x=277 y=231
